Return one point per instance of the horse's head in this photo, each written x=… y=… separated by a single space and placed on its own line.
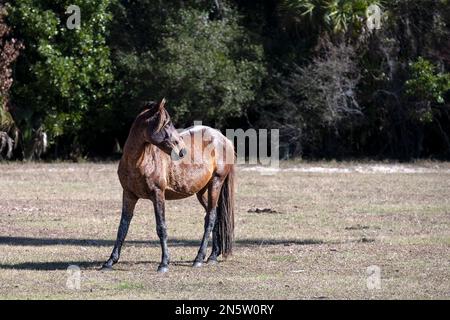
x=161 y=132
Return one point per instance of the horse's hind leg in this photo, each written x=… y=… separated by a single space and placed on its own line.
x=128 y=205
x=215 y=244
x=210 y=218
x=203 y=199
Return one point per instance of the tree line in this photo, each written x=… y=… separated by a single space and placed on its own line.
x=333 y=85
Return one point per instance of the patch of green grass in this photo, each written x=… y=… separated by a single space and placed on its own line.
x=129 y=286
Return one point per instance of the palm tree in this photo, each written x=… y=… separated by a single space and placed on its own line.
x=337 y=16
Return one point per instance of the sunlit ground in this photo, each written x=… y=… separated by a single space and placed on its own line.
x=324 y=229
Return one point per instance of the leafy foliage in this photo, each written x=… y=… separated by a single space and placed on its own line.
x=64 y=74
x=9 y=51
x=426 y=83
x=335 y=15
x=307 y=67
x=208 y=69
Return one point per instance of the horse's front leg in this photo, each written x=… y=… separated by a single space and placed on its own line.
x=128 y=205
x=161 y=229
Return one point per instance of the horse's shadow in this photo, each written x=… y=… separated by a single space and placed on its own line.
x=177 y=242
x=174 y=242
x=52 y=265
x=84 y=265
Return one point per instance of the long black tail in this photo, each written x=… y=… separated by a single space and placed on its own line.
x=225 y=215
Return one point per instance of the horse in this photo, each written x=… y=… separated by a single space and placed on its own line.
x=159 y=163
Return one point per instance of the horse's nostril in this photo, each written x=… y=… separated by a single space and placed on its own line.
x=182 y=152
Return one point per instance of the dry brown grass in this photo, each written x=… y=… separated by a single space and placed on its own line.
x=327 y=230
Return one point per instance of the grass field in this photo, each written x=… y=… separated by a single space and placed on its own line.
x=325 y=229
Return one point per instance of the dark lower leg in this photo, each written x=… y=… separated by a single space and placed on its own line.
x=161 y=230
x=215 y=243
x=121 y=234
x=209 y=224
x=128 y=204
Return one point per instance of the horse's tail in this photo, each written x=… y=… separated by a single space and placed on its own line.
x=225 y=215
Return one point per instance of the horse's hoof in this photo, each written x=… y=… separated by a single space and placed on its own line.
x=212 y=261
x=163 y=269
x=106 y=267
x=197 y=264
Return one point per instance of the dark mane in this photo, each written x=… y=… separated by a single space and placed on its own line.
x=148 y=105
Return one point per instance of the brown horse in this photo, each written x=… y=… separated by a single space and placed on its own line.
x=160 y=164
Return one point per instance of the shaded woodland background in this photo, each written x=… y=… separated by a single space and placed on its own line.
x=310 y=68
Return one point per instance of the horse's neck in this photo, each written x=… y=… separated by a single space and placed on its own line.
x=136 y=151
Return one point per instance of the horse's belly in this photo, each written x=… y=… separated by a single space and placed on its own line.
x=187 y=180
x=170 y=194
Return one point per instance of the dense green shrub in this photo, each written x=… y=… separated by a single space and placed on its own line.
x=426 y=83
x=208 y=69
x=63 y=77
x=310 y=68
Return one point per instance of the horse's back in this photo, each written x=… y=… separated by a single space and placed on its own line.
x=210 y=143
x=210 y=154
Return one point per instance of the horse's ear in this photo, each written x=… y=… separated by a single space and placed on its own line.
x=161 y=104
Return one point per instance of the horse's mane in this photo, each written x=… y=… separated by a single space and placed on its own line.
x=147 y=105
